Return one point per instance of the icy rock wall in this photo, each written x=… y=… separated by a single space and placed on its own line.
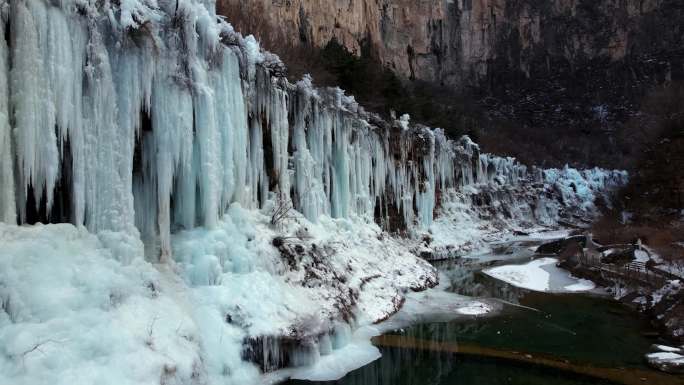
x=148 y=117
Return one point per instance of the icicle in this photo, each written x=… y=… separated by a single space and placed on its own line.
x=106 y=150
x=209 y=139
x=257 y=178
x=31 y=96
x=7 y=204
x=309 y=179
x=168 y=117
x=279 y=128
x=172 y=124
x=340 y=169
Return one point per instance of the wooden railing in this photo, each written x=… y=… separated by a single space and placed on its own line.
x=633 y=272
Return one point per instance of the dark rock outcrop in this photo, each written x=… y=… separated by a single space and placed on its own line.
x=570 y=71
x=483 y=42
x=557 y=246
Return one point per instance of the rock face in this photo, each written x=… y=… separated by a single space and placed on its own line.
x=575 y=76
x=483 y=43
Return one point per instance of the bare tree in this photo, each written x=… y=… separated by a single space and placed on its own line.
x=283 y=210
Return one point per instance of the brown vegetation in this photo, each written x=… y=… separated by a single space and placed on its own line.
x=543 y=121
x=654 y=198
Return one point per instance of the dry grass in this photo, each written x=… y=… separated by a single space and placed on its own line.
x=663 y=237
x=655 y=194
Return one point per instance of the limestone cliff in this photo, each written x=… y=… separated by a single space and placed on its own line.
x=570 y=76
x=466 y=42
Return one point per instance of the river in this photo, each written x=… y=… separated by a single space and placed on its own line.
x=537 y=338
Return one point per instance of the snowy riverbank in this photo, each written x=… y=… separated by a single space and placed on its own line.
x=71 y=308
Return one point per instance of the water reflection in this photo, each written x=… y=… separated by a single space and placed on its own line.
x=582 y=329
x=465 y=277
x=579 y=329
x=399 y=366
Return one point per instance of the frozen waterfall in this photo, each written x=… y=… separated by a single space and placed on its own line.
x=147 y=117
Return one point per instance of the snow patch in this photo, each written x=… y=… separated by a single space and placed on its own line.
x=476 y=308
x=669 y=349
x=540 y=275
x=582 y=285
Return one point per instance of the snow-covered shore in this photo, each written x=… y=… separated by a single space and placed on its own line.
x=71 y=308
x=667 y=358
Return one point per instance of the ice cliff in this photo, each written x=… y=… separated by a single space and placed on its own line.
x=148 y=117
x=162 y=141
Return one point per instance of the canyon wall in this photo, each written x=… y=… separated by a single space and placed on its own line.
x=549 y=82
x=467 y=42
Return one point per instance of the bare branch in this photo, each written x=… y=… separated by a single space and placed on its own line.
x=37 y=347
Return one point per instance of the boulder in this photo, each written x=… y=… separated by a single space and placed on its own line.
x=618 y=256
x=557 y=246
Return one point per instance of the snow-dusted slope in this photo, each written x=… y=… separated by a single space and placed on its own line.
x=73 y=314
x=167 y=141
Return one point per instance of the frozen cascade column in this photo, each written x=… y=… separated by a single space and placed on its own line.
x=280 y=131
x=76 y=127
x=172 y=121
x=405 y=179
x=444 y=160
x=230 y=113
x=319 y=141
x=209 y=140
x=368 y=164
x=7 y=204
x=425 y=192
x=239 y=139
x=257 y=179
x=360 y=175
x=62 y=88
x=108 y=192
x=339 y=201
x=34 y=115
x=308 y=130
x=378 y=148
x=269 y=122
x=133 y=66
x=469 y=154
x=230 y=109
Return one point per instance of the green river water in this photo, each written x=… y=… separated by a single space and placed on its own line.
x=585 y=329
